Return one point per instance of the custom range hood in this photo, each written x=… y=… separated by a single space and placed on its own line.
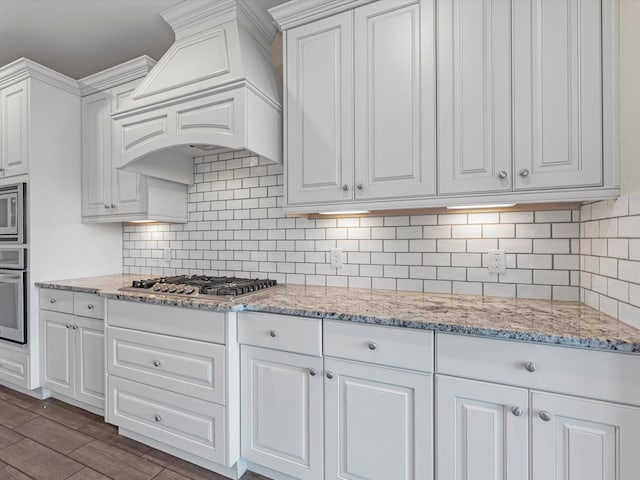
x=214 y=90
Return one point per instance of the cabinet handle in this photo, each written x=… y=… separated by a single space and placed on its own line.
x=68 y=325
x=345 y=187
x=74 y=327
x=517 y=411
x=313 y=372
x=546 y=416
x=113 y=205
x=53 y=300
x=157 y=363
x=360 y=186
x=90 y=307
x=157 y=418
x=273 y=333
x=1 y=169
x=107 y=206
x=329 y=375
x=530 y=367
x=503 y=174
x=524 y=172
x=372 y=345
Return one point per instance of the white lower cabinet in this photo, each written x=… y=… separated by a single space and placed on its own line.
x=73 y=356
x=282 y=411
x=377 y=422
x=482 y=430
x=580 y=439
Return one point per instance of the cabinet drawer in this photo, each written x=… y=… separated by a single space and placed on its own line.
x=186 y=366
x=281 y=332
x=186 y=423
x=391 y=346
x=88 y=305
x=163 y=319
x=14 y=367
x=588 y=373
x=56 y=300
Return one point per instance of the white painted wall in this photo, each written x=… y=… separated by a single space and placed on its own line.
x=630 y=95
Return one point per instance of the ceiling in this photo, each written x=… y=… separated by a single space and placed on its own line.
x=81 y=37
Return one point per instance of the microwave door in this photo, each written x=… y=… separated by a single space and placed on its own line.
x=12 y=306
x=9 y=214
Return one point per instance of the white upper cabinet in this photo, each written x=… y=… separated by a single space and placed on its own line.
x=14 y=128
x=558 y=93
x=394 y=100
x=319 y=99
x=474 y=101
x=96 y=154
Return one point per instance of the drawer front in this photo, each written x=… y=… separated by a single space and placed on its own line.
x=186 y=423
x=391 y=346
x=185 y=366
x=88 y=305
x=281 y=332
x=56 y=300
x=163 y=319
x=582 y=372
x=14 y=367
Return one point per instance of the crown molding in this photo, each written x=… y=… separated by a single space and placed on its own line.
x=298 y=12
x=114 y=76
x=24 y=68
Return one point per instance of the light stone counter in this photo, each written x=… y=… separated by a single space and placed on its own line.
x=541 y=321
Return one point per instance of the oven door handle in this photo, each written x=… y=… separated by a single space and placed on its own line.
x=13 y=275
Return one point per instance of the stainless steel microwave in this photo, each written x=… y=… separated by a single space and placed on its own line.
x=12 y=214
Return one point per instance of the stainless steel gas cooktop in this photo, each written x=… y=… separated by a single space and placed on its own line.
x=201 y=285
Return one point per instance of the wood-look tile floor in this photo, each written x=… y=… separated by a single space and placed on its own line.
x=51 y=440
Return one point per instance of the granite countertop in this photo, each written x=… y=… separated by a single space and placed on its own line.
x=541 y=321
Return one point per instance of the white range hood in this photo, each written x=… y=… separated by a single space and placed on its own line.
x=214 y=90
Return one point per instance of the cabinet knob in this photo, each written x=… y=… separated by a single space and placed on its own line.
x=273 y=333
x=329 y=375
x=157 y=418
x=545 y=416
x=517 y=411
x=157 y=363
x=503 y=174
x=53 y=300
x=68 y=325
x=113 y=205
x=345 y=187
x=313 y=372
x=90 y=307
x=1 y=169
x=524 y=172
x=530 y=367
x=360 y=186
x=74 y=327
x=107 y=206
x=372 y=345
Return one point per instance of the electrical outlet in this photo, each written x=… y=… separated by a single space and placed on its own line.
x=336 y=257
x=497 y=261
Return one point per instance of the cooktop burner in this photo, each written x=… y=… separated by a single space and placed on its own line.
x=194 y=285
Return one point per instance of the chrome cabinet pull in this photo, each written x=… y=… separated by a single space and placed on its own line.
x=157 y=363
x=68 y=325
x=524 y=172
x=313 y=372
x=90 y=307
x=517 y=411
x=329 y=375
x=545 y=416
x=530 y=367
x=345 y=187
x=273 y=333
x=360 y=186
x=503 y=174
x=53 y=300
x=157 y=418
x=74 y=327
x=372 y=345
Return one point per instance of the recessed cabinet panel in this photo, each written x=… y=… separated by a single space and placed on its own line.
x=216 y=117
x=14 y=128
x=377 y=423
x=478 y=434
x=57 y=352
x=579 y=439
x=319 y=89
x=394 y=128
x=557 y=93
x=96 y=146
x=89 y=361
x=474 y=99
x=137 y=134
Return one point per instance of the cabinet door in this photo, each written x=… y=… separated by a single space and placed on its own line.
x=128 y=188
x=581 y=439
x=481 y=431
x=96 y=154
x=281 y=400
x=474 y=96
x=378 y=423
x=89 y=360
x=319 y=105
x=57 y=352
x=557 y=93
x=14 y=129
x=395 y=99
